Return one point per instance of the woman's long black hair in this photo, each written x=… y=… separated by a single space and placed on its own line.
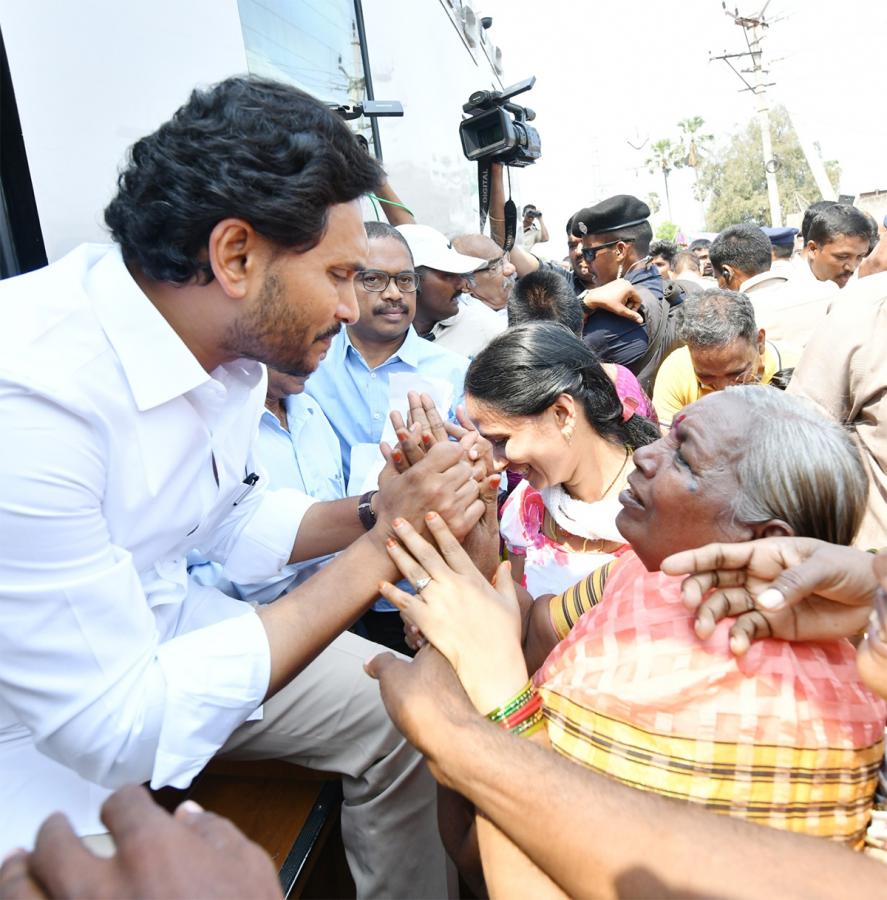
x=526 y=368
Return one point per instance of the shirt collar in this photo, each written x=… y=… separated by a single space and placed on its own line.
x=408 y=352
x=762 y=278
x=157 y=364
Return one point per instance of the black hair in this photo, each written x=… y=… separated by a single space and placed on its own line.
x=744 y=247
x=688 y=258
x=247 y=148
x=810 y=214
x=699 y=244
x=522 y=371
x=544 y=295
x=570 y=226
x=379 y=230
x=837 y=220
x=665 y=249
x=782 y=251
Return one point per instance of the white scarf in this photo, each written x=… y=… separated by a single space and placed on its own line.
x=593 y=521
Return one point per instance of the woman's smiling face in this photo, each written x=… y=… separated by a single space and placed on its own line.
x=681 y=493
x=532 y=446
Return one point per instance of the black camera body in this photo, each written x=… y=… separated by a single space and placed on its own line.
x=496 y=130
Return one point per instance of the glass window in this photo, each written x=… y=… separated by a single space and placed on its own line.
x=312 y=45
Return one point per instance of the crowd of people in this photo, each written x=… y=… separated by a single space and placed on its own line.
x=611 y=512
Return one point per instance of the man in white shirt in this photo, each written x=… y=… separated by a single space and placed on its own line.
x=492 y=284
x=789 y=309
x=445 y=312
x=131 y=388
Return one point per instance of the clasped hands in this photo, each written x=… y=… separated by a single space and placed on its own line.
x=427 y=471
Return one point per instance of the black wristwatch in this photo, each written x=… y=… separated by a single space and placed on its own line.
x=365 y=510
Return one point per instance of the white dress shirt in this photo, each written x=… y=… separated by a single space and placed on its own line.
x=120 y=454
x=303 y=456
x=470 y=330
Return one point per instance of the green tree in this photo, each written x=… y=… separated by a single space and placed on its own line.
x=667 y=231
x=734 y=184
x=666 y=157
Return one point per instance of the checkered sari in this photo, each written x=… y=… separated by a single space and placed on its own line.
x=785 y=736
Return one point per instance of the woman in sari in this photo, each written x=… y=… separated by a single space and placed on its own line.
x=784 y=735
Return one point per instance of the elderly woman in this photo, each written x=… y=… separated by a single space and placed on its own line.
x=785 y=735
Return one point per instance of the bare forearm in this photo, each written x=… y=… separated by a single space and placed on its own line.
x=394 y=209
x=596 y=837
x=303 y=622
x=327 y=527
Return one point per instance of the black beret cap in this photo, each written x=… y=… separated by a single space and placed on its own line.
x=612 y=214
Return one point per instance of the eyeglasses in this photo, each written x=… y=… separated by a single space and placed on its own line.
x=493 y=267
x=747 y=376
x=589 y=253
x=377 y=281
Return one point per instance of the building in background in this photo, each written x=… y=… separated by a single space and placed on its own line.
x=81 y=81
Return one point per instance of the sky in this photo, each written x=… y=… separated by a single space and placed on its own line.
x=610 y=74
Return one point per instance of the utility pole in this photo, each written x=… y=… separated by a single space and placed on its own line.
x=753 y=29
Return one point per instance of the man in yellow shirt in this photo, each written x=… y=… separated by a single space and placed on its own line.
x=724 y=347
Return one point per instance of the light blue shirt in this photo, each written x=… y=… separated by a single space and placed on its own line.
x=306 y=458
x=355 y=397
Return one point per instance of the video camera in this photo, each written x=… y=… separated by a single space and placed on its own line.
x=497 y=130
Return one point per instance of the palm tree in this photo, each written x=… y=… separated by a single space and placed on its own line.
x=666 y=156
x=694 y=148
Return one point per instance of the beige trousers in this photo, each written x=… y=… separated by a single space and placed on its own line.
x=331 y=717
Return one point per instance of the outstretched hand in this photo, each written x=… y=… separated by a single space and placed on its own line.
x=424 y=699
x=620 y=297
x=474 y=624
x=191 y=854
x=796 y=589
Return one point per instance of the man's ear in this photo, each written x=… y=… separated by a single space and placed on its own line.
x=235 y=254
x=762 y=341
x=772 y=528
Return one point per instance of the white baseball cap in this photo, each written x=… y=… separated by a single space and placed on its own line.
x=430 y=248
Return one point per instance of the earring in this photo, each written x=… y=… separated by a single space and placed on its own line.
x=619 y=271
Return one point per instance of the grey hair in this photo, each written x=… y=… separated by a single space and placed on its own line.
x=717 y=317
x=800 y=467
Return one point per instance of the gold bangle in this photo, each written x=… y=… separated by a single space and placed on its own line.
x=494 y=219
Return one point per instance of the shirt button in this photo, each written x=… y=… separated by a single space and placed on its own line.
x=372 y=374
x=377 y=415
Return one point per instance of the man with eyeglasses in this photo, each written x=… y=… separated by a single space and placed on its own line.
x=445 y=311
x=493 y=283
x=353 y=383
x=724 y=347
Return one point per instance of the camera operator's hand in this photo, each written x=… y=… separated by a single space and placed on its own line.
x=619 y=297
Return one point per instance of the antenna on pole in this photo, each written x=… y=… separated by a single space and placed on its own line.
x=753 y=30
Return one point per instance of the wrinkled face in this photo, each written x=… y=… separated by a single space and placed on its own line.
x=386 y=315
x=680 y=494
x=304 y=299
x=494 y=283
x=533 y=446
x=439 y=294
x=281 y=385
x=580 y=266
x=608 y=256
x=837 y=260
x=739 y=362
x=662 y=264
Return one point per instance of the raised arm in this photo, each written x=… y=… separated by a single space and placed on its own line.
x=593 y=836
